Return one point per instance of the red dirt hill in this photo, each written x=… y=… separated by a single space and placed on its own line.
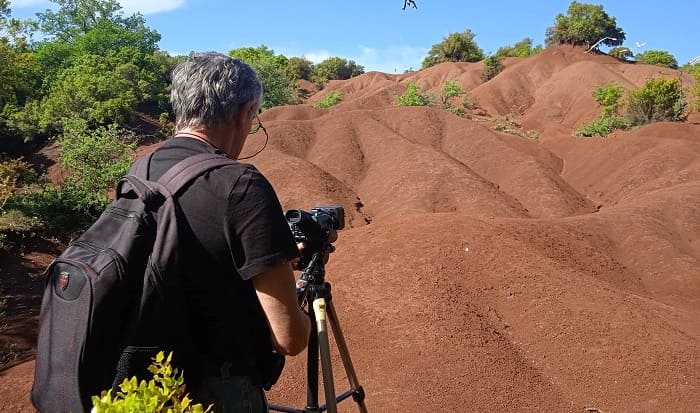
x=487 y=271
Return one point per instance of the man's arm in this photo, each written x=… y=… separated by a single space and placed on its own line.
x=289 y=325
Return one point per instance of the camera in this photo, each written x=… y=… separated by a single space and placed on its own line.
x=313 y=227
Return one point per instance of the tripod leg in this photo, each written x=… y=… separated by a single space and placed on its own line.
x=319 y=305
x=358 y=391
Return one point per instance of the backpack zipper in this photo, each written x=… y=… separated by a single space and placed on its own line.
x=118 y=259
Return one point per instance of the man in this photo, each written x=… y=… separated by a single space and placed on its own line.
x=241 y=299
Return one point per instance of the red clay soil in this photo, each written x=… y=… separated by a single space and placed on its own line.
x=488 y=271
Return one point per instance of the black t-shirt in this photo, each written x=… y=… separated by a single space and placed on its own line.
x=234 y=230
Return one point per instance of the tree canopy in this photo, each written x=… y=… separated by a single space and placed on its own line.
x=335 y=68
x=658 y=58
x=456 y=47
x=522 y=48
x=274 y=71
x=584 y=24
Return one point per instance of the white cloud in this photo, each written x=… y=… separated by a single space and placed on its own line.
x=318 y=55
x=148 y=6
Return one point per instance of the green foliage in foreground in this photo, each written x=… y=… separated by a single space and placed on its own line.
x=163 y=394
x=413 y=97
x=330 y=99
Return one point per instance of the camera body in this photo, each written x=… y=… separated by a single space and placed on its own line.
x=313 y=227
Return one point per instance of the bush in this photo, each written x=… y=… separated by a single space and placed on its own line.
x=449 y=90
x=493 y=65
x=97 y=158
x=608 y=96
x=603 y=126
x=330 y=99
x=695 y=91
x=63 y=211
x=165 y=393
x=413 y=97
x=657 y=100
x=658 y=58
x=14 y=175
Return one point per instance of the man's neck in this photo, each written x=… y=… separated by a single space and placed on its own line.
x=207 y=136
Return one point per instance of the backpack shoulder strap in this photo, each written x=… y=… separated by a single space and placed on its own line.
x=190 y=168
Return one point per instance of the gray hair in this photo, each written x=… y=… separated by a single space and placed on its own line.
x=211 y=88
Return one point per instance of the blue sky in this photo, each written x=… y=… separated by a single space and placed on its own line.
x=380 y=36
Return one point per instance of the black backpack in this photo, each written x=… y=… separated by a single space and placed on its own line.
x=112 y=299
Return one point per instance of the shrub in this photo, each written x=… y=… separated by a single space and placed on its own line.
x=449 y=90
x=413 y=97
x=603 y=126
x=493 y=65
x=468 y=104
x=165 y=393
x=62 y=211
x=657 y=100
x=658 y=58
x=608 y=96
x=97 y=158
x=14 y=174
x=330 y=99
x=695 y=91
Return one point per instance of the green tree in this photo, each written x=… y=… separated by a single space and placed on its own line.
x=75 y=18
x=658 y=58
x=335 y=68
x=456 y=47
x=278 y=80
x=493 y=65
x=522 y=48
x=301 y=67
x=584 y=24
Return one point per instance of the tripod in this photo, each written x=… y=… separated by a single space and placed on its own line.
x=314 y=293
